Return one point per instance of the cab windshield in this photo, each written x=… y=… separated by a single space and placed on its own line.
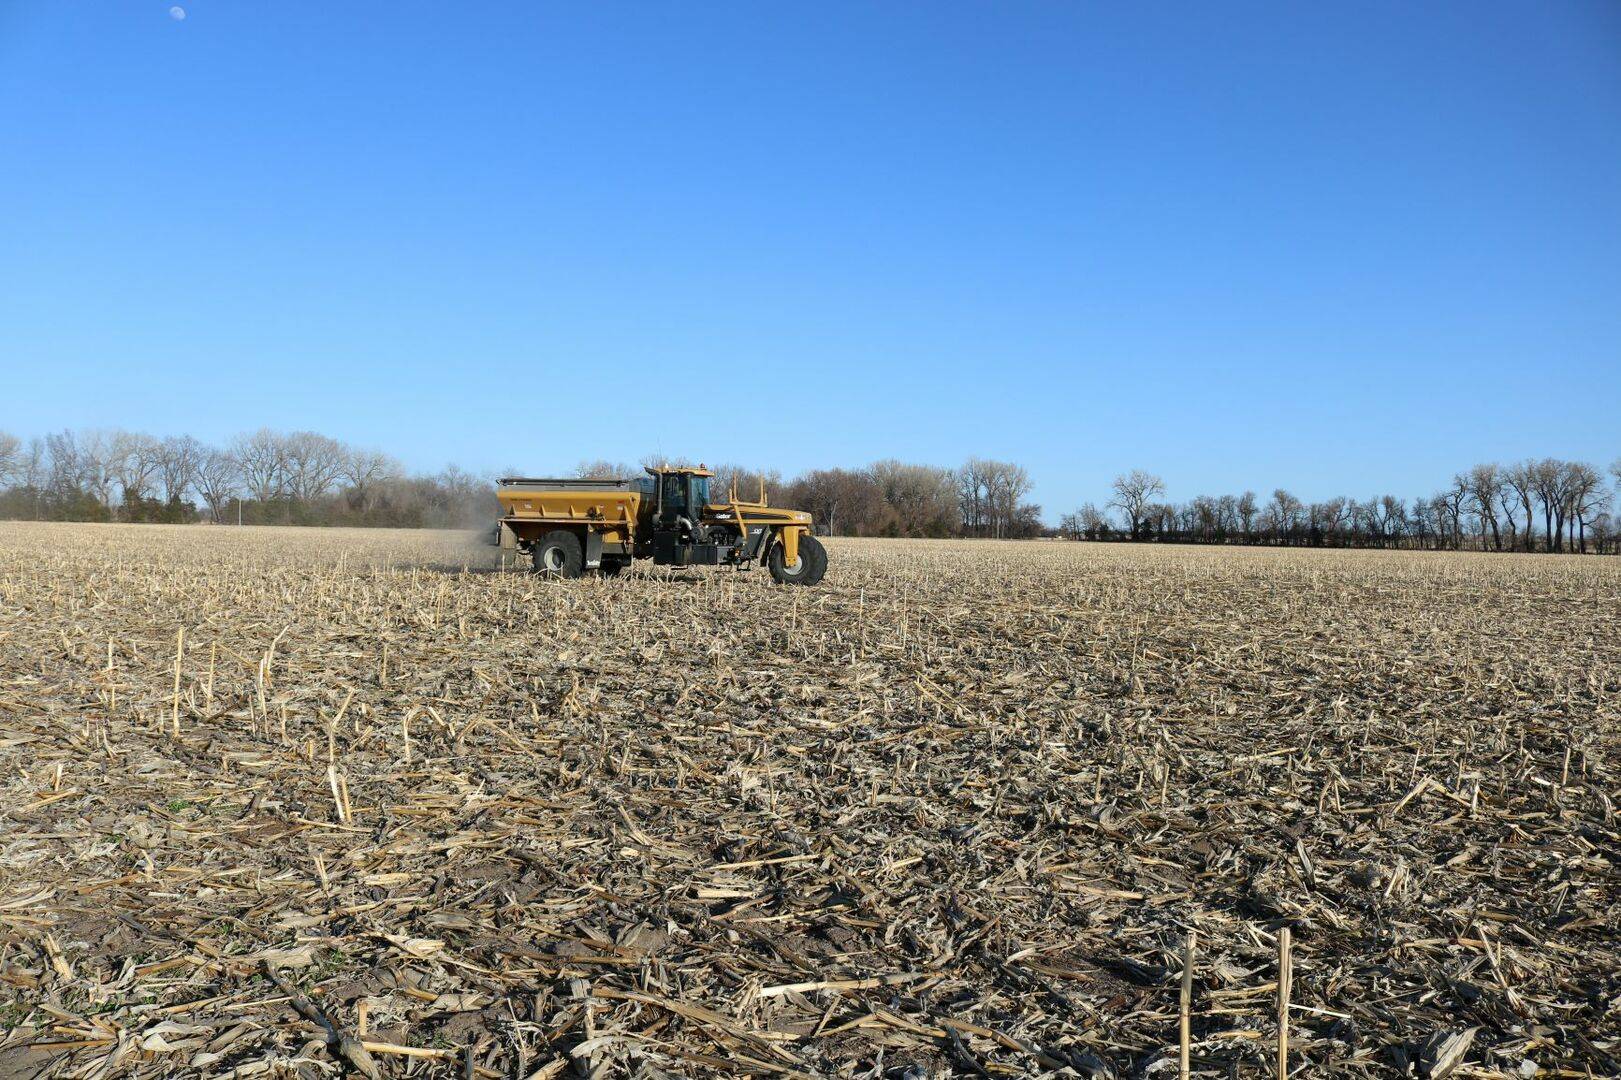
x=672 y=497
x=683 y=494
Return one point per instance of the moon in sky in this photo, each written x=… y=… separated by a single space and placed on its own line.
x=177 y=13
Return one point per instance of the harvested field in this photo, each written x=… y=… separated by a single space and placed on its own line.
x=955 y=812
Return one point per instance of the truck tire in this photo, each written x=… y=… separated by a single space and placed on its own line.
x=812 y=563
x=558 y=554
x=819 y=553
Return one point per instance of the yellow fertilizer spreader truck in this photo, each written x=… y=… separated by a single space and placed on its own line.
x=568 y=527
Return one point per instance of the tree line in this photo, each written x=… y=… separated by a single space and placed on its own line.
x=263 y=477
x=306 y=478
x=1537 y=505
x=269 y=477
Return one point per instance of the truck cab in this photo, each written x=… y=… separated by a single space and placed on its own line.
x=680 y=494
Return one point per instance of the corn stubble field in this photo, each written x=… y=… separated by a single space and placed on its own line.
x=953 y=813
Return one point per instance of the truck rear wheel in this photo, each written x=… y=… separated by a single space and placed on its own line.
x=808 y=571
x=558 y=554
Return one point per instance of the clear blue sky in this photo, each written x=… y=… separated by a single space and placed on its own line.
x=1342 y=249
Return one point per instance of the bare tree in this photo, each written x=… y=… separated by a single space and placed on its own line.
x=36 y=466
x=602 y=469
x=1393 y=517
x=67 y=471
x=1440 y=514
x=1247 y=509
x=97 y=456
x=843 y=502
x=1453 y=501
x=364 y=470
x=1521 y=480
x=1421 y=520
x=988 y=498
x=972 y=496
x=1549 y=478
x=659 y=461
x=178 y=458
x=11 y=456
x=217 y=477
x=1330 y=516
x=1087 y=523
x=748 y=483
x=31 y=472
x=1204 y=517
x=1132 y=493
x=314 y=463
x=1006 y=486
x=1602 y=528
x=134 y=459
x=1283 y=513
x=261 y=461
x=1485 y=484
x=1508 y=505
x=1160 y=518
x=922 y=496
x=1584 y=490
x=1346 y=522
x=1374 y=515
x=1364 y=519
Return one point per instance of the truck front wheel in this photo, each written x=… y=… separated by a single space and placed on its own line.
x=808 y=571
x=558 y=554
